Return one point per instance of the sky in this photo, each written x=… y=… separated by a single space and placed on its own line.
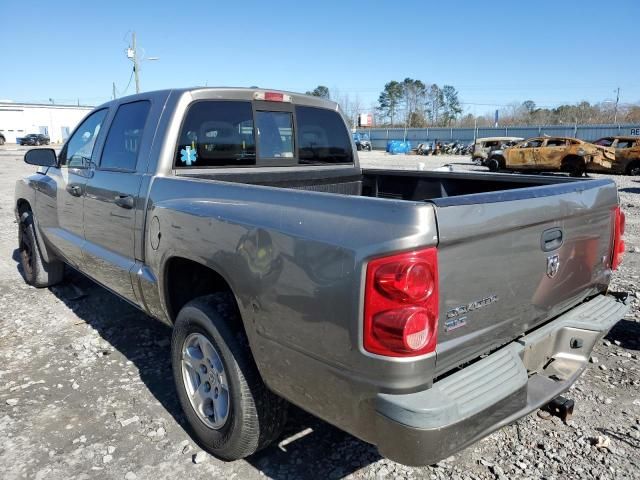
x=494 y=53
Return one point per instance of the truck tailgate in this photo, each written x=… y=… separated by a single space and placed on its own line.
x=508 y=261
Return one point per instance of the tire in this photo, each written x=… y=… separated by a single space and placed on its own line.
x=255 y=416
x=633 y=168
x=37 y=144
x=36 y=270
x=577 y=169
x=493 y=165
x=1 y=140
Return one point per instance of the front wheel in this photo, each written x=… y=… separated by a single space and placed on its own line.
x=493 y=165
x=229 y=408
x=36 y=270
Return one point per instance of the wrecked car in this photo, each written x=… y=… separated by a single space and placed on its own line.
x=570 y=155
x=417 y=310
x=627 y=150
x=482 y=147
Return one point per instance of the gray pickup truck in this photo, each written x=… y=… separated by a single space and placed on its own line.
x=418 y=311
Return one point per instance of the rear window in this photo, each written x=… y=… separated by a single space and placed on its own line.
x=275 y=134
x=216 y=134
x=322 y=137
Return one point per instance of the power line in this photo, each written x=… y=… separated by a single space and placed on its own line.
x=128 y=84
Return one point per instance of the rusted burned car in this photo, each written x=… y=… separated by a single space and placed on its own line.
x=553 y=154
x=483 y=147
x=627 y=153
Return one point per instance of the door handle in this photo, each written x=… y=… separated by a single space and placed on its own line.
x=125 y=201
x=75 y=190
x=551 y=239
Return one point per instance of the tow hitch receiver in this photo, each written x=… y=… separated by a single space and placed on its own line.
x=560 y=407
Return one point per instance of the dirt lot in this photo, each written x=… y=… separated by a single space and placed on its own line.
x=86 y=389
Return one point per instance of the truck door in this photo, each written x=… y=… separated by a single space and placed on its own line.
x=60 y=211
x=112 y=201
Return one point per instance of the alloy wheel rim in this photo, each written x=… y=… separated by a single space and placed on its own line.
x=205 y=381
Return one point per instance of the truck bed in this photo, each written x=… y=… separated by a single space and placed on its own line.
x=485 y=223
x=382 y=183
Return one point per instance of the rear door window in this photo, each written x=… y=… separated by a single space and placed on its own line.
x=123 y=140
x=625 y=144
x=217 y=134
x=533 y=143
x=556 y=142
x=322 y=137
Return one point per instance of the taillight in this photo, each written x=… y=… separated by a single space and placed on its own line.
x=618 y=242
x=401 y=304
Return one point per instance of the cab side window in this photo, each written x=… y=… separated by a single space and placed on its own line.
x=78 y=151
x=123 y=140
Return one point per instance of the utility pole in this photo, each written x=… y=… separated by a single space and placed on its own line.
x=135 y=61
x=615 y=110
x=134 y=56
x=113 y=85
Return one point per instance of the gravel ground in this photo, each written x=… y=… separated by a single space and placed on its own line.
x=86 y=389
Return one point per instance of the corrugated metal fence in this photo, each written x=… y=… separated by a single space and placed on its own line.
x=380 y=136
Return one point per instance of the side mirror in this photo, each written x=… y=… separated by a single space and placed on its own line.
x=42 y=157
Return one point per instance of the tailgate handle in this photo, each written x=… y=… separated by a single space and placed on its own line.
x=551 y=239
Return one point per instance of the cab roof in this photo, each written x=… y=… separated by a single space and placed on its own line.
x=232 y=93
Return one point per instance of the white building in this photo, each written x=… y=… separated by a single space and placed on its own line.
x=57 y=121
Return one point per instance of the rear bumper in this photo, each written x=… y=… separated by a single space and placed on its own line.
x=424 y=427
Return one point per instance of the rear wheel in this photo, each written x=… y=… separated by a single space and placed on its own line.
x=37 y=271
x=1 y=140
x=229 y=408
x=634 y=168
